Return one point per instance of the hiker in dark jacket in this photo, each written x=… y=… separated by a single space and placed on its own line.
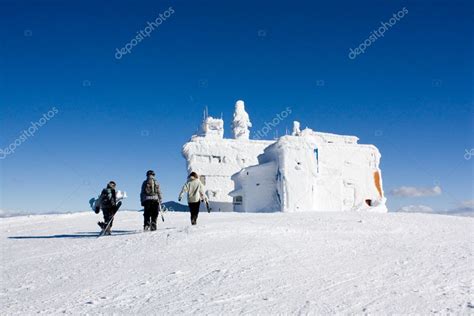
x=150 y=197
x=195 y=194
x=109 y=206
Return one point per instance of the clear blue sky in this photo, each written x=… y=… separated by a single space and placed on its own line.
x=410 y=93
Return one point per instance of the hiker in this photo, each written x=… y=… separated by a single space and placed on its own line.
x=195 y=190
x=150 y=197
x=108 y=204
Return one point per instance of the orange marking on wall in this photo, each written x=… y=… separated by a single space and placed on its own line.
x=377 y=183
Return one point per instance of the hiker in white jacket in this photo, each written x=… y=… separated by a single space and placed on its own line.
x=195 y=193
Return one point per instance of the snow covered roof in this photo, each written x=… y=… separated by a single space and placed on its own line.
x=330 y=138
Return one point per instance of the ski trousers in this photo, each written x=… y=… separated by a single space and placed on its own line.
x=150 y=214
x=108 y=214
x=194 y=209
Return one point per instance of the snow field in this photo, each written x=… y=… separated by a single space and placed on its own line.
x=231 y=263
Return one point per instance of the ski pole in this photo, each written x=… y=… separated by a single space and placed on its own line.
x=161 y=213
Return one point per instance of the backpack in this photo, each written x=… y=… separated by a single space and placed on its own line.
x=151 y=187
x=104 y=200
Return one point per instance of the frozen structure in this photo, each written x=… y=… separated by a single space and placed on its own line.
x=241 y=123
x=312 y=171
x=215 y=158
x=305 y=171
x=296 y=128
x=212 y=128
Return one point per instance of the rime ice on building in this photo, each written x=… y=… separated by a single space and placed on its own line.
x=241 y=123
x=296 y=129
x=212 y=128
x=216 y=158
x=312 y=171
x=305 y=171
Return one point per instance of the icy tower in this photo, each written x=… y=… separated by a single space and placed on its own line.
x=241 y=123
x=296 y=129
x=213 y=128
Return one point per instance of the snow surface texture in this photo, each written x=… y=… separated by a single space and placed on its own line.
x=312 y=171
x=231 y=263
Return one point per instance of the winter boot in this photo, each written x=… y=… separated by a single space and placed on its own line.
x=102 y=225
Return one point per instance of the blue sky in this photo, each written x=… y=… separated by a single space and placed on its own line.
x=410 y=93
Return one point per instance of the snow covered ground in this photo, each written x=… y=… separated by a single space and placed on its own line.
x=231 y=263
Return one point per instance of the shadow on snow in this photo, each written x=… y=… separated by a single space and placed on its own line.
x=77 y=235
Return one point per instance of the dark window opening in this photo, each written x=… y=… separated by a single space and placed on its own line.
x=217 y=159
x=238 y=200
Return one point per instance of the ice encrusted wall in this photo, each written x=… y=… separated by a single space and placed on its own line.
x=216 y=160
x=257 y=188
x=312 y=171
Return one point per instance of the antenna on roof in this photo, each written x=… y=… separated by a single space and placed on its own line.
x=222 y=115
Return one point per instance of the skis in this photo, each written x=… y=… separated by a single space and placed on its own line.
x=208 y=206
x=104 y=230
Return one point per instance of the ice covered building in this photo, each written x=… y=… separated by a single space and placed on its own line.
x=311 y=171
x=305 y=171
x=216 y=158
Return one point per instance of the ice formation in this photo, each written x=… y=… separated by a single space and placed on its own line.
x=305 y=171
x=213 y=128
x=296 y=129
x=216 y=158
x=241 y=123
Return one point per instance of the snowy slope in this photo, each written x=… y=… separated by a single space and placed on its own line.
x=239 y=263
